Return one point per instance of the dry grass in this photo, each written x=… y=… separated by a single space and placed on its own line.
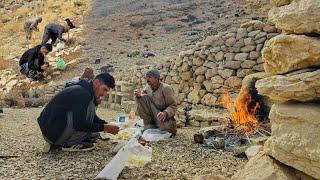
x=11 y=32
x=265 y=6
x=4 y=64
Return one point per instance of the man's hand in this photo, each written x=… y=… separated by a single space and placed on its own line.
x=161 y=116
x=45 y=67
x=112 y=129
x=137 y=93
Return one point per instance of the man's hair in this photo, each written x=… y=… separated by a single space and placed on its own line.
x=70 y=24
x=48 y=47
x=106 y=79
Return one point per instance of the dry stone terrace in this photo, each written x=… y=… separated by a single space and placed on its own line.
x=203 y=50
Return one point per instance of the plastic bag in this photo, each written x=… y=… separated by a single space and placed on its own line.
x=132 y=154
x=155 y=135
x=60 y=45
x=128 y=133
x=138 y=124
x=61 y=64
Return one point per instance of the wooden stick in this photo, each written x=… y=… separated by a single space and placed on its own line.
x=8 y=156
x=261 y=134
x=248 y=139
x=266 y=131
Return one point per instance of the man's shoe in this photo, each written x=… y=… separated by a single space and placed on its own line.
x=91 y=140
x=50 y=148
x=81 y=147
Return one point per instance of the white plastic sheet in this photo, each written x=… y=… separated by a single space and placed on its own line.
x=60 y=45
x=132 y=154
x=155 y=135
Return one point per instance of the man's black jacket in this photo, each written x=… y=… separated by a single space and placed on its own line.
x=34 y=58
x=75 y=99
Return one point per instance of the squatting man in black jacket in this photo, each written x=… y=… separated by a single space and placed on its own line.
x=32 y=63
x=69 y=120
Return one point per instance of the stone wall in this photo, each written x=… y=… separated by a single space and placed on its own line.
x=216 y=65
x=292 y=59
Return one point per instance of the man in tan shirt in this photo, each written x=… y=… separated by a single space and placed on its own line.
x=156 y=104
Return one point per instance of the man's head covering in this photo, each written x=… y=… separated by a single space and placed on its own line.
x=87 y=74
x=70 y=24
x=154 y=73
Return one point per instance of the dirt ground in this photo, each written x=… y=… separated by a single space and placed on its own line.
x=177 y=158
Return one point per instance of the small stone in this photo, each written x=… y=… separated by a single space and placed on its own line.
x=226 y=73
x=230 y=42
x=241 y=56
x=253 y=150
x=229 y=56
x=253 y=55
x=219 y=56
x=259 y=47
x=248 y=64
x=259 y=60
x=241 y=33
x=210 y=73
x=200 y=78
x=211 y=65
x=215 y=49
x=260 y=35
x=244 y=72
x=201 y=70
x=261 y=40
x=186 y=75
x=198 y=61
x=249 y=41
x=233 y=82
x=239 y=43
x=258 y=67
x=253 y=33
x=248 y=48
x=233 y=64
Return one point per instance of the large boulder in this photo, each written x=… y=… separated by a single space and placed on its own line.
x=252 y=78
x=295 y=136
x=300 y=87
x=264 y=167
x=299 y=17
x=285 y=53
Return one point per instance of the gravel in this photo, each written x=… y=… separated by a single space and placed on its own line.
x=177 y=158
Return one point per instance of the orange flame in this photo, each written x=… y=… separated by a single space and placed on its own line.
x=243 y=119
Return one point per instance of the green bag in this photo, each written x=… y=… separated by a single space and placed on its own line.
x=61 y=65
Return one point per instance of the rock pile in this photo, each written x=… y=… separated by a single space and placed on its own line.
x=219 y=63
x=200 y=116
x=293 y=61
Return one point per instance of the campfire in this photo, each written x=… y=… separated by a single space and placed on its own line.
x=247 y=120
x=242 y=120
